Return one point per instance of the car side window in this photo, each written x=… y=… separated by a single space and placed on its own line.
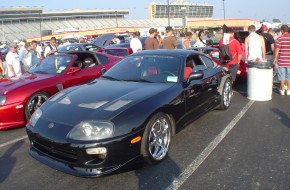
x=103 y=59
x=198 y=63
x=91 y=47
x=207 y=61
x=86 y=60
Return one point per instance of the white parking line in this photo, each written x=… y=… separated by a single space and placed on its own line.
x=207 y=151
x=13 y=141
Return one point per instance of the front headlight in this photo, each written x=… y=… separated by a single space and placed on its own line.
x=2 y=100
x=35 y=116
x=92 y=130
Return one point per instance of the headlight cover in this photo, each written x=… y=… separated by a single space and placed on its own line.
x=2 y=100
x=92 y=130
x=35 y=116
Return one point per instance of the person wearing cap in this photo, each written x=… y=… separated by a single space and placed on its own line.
x=235 y=50
x=13 y=63
x=169 y=42
x=135 y=43
x=21 y=52
x=254 y=46
x=151 y=42
x=269 y=42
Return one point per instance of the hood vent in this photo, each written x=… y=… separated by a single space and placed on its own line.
x=117 y=105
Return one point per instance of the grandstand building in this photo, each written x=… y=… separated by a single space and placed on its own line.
x=36 y=14
x=24 y=22
x=179 y=9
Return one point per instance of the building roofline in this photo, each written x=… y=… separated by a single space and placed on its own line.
x=203 y=20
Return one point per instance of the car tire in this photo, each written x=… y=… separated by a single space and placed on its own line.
x=156 y=138
x=226 y=95
x=34 y=102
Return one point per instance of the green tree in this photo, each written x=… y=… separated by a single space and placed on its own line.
x=276 y=20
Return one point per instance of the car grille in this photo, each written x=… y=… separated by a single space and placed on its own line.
x=55 y=151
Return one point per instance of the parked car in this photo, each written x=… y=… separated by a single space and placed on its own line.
x=118 y=51
x=131 y=112
x=4 y=52
x=20 y=98
x=78 y=47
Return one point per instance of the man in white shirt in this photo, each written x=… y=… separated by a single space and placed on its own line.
x=38 y=50
x=51 y=49
x=135 y=43
x=13 y=63
x=254 y=46
x=21 y=52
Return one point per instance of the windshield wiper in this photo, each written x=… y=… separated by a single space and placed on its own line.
x=109 y=77
x=41 y=72
x=137 y=80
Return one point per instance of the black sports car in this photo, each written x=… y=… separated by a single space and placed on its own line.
x=131 y=112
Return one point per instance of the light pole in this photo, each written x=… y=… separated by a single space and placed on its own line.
x=3 y=33
x=224 y=9
x=168 y=14
x=40 y=30
x=183 y=9
x=116 y=18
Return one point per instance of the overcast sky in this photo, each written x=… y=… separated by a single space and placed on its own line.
x=251 y=9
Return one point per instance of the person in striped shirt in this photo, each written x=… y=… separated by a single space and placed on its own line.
x=282 y=59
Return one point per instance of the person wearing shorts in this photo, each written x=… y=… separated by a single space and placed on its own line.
x=282 y=59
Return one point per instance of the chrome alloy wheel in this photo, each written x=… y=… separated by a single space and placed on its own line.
x=159 y=138
x=36 y=102
x=227 y=96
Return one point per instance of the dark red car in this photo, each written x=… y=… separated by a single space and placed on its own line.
x=117 y=51
x=20 y=98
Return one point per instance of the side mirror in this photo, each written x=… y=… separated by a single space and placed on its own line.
x=103 y=70
x=197 y=75
x=73 y=70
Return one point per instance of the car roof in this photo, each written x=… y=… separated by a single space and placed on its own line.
x=75 y=52
x=167 y=52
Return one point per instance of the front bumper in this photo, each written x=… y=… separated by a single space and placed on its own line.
x=12 y=115
x=71 y=158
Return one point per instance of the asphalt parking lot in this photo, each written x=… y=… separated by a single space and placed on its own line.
x=245 y=147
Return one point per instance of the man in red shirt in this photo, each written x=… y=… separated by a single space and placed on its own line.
x=282 y=59
x=236 y=52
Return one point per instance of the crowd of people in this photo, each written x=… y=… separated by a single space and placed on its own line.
x=20 y=58
x=258 y=47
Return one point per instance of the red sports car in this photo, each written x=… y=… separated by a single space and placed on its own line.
x=19 y=98
x=213 y=52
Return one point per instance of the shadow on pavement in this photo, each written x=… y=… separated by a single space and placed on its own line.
x=7 y=161
x=283 y=117
x=158 y=176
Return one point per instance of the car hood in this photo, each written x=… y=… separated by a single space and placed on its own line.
x=103 y=40
x=7 y=85
x=99 y=100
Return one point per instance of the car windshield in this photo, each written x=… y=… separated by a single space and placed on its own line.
x=53 y=64
x=146 y=68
